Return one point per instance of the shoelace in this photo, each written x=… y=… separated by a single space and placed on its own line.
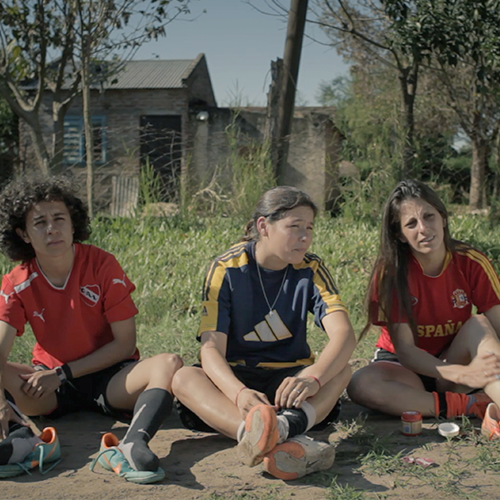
x=113 y=449
x=40 y=463
x=495 y=432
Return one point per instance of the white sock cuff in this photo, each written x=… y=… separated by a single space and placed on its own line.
x=310 y=412
x=240 y=431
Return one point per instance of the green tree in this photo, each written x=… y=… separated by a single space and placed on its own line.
x=461 y=40
x=53 y=46
x=31 y=33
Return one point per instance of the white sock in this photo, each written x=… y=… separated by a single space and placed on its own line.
x=283 y=428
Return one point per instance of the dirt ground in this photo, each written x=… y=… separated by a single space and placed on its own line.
x=202 y=466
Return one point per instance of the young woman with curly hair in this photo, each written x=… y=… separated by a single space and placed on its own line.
x=77 y=299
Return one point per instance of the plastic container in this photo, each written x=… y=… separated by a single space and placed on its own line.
x=411 y=422
x=448 y=429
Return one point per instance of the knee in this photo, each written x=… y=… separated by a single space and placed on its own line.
x=478 y=324
x=361 y=390
x=167 y=363
x=182 y=381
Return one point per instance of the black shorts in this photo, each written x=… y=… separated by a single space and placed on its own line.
x=384 y=355
x=263 y=380
x=88 y=393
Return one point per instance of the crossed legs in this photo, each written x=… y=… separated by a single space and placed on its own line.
x=391 y=388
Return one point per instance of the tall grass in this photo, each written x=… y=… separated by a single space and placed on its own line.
x=167 y=259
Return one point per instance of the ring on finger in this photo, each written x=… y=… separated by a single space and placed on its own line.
x=297 y=390
x=497 y=376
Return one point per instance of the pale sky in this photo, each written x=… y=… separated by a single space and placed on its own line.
x=239 y=44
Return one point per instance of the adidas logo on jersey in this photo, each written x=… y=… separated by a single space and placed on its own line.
x=270 y=330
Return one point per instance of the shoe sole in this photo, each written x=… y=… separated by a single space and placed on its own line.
x=261 y=435
x=287 y=462
x=10 y=470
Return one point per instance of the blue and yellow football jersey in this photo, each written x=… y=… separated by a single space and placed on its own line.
x=234 y=304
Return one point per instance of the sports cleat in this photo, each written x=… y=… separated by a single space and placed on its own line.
x=111 y=458
x=261 y=435
x=299 y=456
x=47 y=451
x=490 y=427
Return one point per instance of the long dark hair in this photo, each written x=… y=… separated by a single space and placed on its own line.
x=274 y=204
x=389 y=277
x=21 y=195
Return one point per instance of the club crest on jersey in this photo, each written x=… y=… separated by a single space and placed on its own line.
x=90 y=294
x=459 y=298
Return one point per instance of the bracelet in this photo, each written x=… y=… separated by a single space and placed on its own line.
x=315 y=378
x=61 y=374
x=67 y=371
x=238 y=393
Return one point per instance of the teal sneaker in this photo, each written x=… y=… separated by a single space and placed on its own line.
x=48 y=451
x=111 y=458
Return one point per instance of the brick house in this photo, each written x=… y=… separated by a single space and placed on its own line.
x=163 y=113
x=142 y=115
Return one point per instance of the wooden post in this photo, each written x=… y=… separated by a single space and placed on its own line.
x=291 y=61
x=271 y=131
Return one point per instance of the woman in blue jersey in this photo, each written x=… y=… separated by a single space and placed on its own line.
x=259 y=382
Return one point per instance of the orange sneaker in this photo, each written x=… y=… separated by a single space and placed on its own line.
x=299 y=456
x=260 y=436
x=490 y=427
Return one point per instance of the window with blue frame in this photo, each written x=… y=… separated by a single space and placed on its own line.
x=74 y=139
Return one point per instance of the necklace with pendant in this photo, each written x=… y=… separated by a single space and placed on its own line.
x=271 y=307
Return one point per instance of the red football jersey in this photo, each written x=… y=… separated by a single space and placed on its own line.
x=71 y=321
x=442 y=304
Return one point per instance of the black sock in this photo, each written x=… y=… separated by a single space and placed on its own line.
x=297 y=420
x=151 y=409
x=443 y=405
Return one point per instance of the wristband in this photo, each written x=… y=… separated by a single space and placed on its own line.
x=315 y=378
x=60 y=373
x=238 y=393
x=67 y=371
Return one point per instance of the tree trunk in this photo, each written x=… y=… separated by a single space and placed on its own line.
x=408 y=81
x=58 y=113
x=480 y=151
x=87 y=125
x=41 y=155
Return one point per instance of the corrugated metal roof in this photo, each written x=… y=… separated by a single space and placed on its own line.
x=153 y=74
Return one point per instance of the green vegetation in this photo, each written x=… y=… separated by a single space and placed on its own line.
x=167 y=259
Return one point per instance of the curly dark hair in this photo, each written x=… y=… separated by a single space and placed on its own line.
x=21 y=195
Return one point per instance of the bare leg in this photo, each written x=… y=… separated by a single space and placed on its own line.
x=196 y=391
x=28 y=405
x=476 y=337
x=390 y=388
x=326 y=398
x=151 y=373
